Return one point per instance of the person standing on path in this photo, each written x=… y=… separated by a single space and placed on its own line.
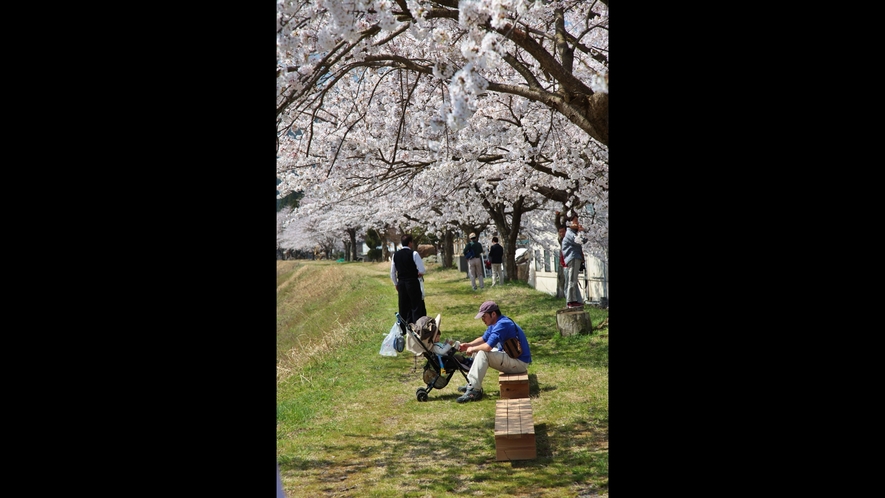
x=489 y=349
x=473 y=253
x=573 y=256
x=407 y=273
x=496 y=256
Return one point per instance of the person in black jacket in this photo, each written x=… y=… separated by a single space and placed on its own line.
x=496 y=256
x=407 y=273
x=473 y=254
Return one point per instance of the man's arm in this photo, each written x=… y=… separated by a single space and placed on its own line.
x=419 y=263
x=479 y=347
x=474 y=345
x=393 y=273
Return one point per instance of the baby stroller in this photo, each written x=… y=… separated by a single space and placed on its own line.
x=443 y=360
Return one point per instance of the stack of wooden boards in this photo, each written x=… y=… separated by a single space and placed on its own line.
x=514 y=426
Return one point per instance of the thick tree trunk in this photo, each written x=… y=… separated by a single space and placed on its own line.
x=510 y=271
x=573 y=322
x=448 y=249
x=510 y=238
x=352 y=254
x=559 y=221
x=385 y=241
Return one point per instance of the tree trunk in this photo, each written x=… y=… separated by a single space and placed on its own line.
x=385 y=241
x=510 y=237
x=573 y=321
x=508 y=232
x=448 y=248
x=559 y=221
x=351 y=256
x=560 y=277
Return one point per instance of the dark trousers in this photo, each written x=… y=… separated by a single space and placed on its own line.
x=411 y=306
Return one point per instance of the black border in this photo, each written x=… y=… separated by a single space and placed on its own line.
x=691 y=182
x=192 y=119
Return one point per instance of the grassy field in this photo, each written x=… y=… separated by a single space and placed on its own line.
x=349 y=423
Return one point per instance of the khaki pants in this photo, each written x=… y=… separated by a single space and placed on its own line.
x=474 y=268
x=498 y=360
x=497 y=273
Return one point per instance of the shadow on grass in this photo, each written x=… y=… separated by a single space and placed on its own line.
x=437 y=461
x=534 y=388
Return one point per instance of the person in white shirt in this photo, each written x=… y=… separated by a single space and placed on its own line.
x=407 y=274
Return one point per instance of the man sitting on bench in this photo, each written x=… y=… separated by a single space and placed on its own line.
x=491 y=351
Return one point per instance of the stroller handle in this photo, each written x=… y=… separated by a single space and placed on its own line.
x=403 y=326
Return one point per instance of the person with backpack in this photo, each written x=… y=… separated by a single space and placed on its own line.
x=407 y=273
x=473 y=254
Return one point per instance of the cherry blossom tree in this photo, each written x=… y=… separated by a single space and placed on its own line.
x=555 y=52
x=306 y=234
x=446 y=114
x=282 y=221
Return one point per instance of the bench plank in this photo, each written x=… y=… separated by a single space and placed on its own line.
x=514 y=430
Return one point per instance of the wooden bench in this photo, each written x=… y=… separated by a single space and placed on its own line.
x=514 y=430
x=513 y=385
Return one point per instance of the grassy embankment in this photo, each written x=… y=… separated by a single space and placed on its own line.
x=348 y=421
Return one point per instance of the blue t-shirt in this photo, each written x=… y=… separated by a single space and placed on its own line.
x=504 y=329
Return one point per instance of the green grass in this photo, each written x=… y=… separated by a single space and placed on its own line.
x=349 y=423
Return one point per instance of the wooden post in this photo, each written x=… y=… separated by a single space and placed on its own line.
x=573 y=321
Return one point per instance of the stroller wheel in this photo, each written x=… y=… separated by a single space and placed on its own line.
x=421 y=394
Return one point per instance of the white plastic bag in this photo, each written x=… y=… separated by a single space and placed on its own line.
x=387 y=347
